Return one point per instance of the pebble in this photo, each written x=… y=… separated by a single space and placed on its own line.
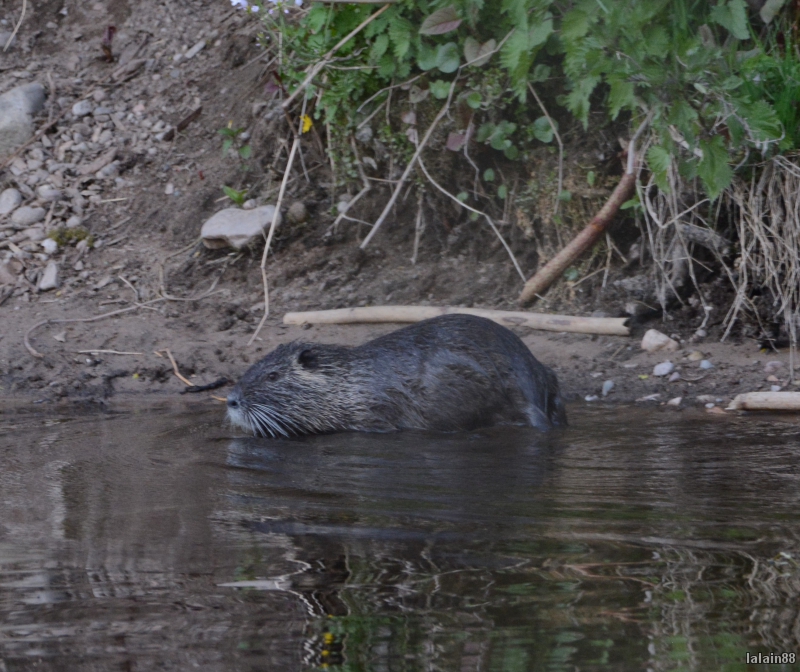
x=249 y=204
x=663 y=369
x=607 y=387
x=591 y=397
x=705 y=364
x=10 y=200
x=297 y=213
x=49 y=245
x=773 y=366
x=74 y=221
x=773 y=379
x=98 y=95
x=196 y=49
x=82 y=108
x=775 y=388
x=694 y=356
x=701 y=333
x=655 y=341
x=78 y=265
x=169 y=189
x=49 y=194
x=710 y=404
x=35 y=233
x=17 y=108
x=26 y=215
x=675 y=402
x=49 y=279
x=674 y=376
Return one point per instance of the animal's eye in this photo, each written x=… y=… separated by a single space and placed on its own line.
x=272 y=375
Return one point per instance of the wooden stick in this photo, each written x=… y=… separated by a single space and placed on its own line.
x=180 y=377
x=766 y=401
x=580 y=325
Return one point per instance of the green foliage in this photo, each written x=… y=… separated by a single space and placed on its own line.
x=238 y=197
x=713 y=78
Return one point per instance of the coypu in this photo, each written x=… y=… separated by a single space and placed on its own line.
x=449 y=373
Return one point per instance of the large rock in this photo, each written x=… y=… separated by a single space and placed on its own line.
x=236 y=228
x=17 y=108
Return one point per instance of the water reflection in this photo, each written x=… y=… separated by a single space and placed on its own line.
x=632 y=540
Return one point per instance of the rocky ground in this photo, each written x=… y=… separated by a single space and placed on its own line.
x=103 y=212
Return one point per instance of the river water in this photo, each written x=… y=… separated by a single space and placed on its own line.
x=150 y=538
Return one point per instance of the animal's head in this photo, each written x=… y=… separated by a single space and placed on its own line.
x=290 y=391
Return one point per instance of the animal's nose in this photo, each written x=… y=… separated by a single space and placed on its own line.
x=233 y=400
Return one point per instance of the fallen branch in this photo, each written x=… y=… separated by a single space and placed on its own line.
x=580 y=325
x=554 y=268
x=176 y=371
x=766 y=401
x=16 y=28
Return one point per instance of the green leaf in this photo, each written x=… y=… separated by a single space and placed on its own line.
x=513 y=49
x=226 y=145
x=245 y=152
x=574 y=25
x=502 y=191
x=426 y=59
x=511 y=153
x=578 y=99
x=488 y=175
x=540 y=73
x=440 y=89
x=447 y=58
x=474 y=100
x=462 y=196
x=761 y=119
x=317 y=17
x=591 y=177
x=477 y=54
x=732 y=15
x=387 y=65
x=484 y=132
x=632 y=203
x=565 y=196
x=379 y=46
x=539 y=33
x=714 y=170
x=542 y=130
x=400 y=31
x=659 y=160
x=442 y=21
x=620 y=95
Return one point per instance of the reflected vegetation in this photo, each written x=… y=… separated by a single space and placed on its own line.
x=150 y=539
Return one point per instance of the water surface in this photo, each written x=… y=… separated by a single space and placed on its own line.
x=152 y=538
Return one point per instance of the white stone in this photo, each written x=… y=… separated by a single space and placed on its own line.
x=235 y=228
x=674 y=377
x=169 y=189
x=49 y=194
x=49 y=279
x=196 y=49
x=82 y=108
x=17 y=107
x=655 y=341
x=35 y=233
x=10 y=200
x=607 y=387
x=49 y=245
x=769 y=367
x=663 y=369
x=26 y=215
x=675 y=402
x=705 y=364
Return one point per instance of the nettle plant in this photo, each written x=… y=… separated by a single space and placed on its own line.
x=712 y=84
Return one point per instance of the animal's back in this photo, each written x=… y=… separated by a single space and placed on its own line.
x=459 y=372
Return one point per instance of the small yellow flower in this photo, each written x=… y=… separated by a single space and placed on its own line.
x=306 y=123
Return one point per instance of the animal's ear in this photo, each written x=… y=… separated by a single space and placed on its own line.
x=307 y=359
